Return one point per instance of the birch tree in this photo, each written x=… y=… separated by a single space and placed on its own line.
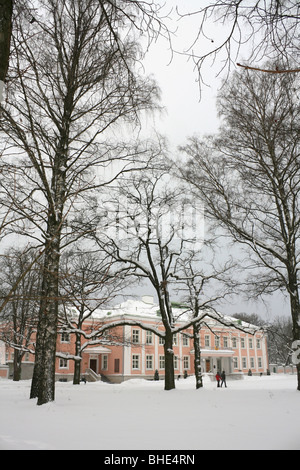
x=71 y=79
x=248 y=178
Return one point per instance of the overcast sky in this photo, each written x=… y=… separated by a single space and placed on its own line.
x=186 y=114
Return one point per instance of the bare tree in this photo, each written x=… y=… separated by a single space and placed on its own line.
x=20 y=315
x=280 y=339
x=203 y=283
x=6 y=9
x=70 y=81
x=260 y=30
x=248 y=178
x=151 y=230
x=87 y=283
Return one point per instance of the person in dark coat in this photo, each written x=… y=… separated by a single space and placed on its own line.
x=218 y=378
x=223 y=377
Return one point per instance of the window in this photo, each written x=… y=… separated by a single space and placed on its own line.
x=135 y=336
x=175 y=340
x=161 y=341
x=252 y=362
x=149 y=361
x=63 y=364
x=258 y=344
x=225 y=342
x=104 y=362
x=235 y=363
x=243 y=343
x=234 y=343
x=149 y=337
x=207 y=341
x=135 y=361
x=161 y=362
x=186 y=362
x=250 y=342
x=244 y=362
x=259 y=362
x=175 y=362
x=185 y=340
x=65 y=337
x=217 y=341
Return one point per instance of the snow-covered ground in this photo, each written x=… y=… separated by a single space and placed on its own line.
x=254 y=413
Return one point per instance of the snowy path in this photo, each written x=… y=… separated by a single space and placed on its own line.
x=254 y=413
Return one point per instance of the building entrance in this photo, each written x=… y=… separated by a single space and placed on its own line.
x=93 y=365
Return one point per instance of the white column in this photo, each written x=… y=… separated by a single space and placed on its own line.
x=127 y=352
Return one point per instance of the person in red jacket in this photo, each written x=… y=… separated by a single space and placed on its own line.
x=218 y=378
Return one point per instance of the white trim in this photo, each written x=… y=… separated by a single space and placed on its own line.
x=97 y=350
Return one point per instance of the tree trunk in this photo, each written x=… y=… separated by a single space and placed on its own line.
x=6 y=9
x=197 y=360
x=17 y=366
x=295 y=310
x=169 y=361
x=77 y=365
x=43 y=382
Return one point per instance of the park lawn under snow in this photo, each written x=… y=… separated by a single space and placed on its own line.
x=254 y=413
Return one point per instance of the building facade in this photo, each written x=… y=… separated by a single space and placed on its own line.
x=138 y=353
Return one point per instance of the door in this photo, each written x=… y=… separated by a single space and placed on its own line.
x=93 y=365
x=207 y=365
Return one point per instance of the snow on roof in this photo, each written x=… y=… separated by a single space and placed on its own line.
x=147 y=308
x=129 y=307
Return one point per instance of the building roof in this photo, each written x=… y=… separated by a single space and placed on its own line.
x=146 y=308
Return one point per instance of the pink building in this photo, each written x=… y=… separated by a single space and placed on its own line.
x=139 y=353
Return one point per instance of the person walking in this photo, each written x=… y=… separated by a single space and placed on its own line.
x=223 y=377
x=218 y=378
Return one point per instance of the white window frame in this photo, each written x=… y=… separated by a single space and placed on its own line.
x=135 y=362
x=65 y=337
x=149 y=337
x=149 y=362
x=259 y=362
x=135 y=336
x=63 y=363
x=186 y=362
x=161 y=362
x=104 y=362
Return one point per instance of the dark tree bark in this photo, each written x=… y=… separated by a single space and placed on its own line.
x=71 y=80
x=6 y=10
